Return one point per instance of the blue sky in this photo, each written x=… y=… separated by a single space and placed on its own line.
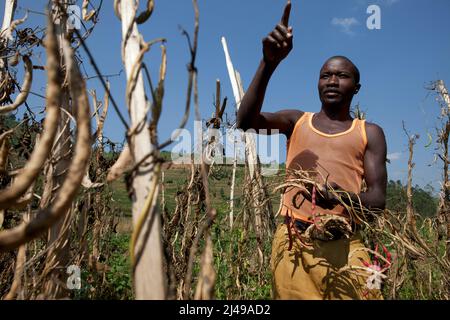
x=396 y=62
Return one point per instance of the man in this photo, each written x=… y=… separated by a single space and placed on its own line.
x=337 y=151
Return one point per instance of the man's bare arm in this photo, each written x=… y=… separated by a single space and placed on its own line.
x=284 y=121
x=276 y=46
x=375 y=168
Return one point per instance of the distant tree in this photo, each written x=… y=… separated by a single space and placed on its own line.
x=166 y=155
x=424 y=202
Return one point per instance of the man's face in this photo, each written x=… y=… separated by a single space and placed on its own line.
x=337 y=83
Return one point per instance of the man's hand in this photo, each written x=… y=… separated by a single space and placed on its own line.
x=324 y=197
x=278 y=43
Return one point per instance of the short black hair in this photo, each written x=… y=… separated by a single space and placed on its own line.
x=355 y=69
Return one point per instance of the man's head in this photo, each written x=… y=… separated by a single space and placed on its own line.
x=338 y=82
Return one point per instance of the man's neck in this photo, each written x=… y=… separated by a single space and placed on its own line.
x=337 y=113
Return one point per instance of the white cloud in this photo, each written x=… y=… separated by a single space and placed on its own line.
x=360 y=6
x=345 y=24
x=377 y=2
x=391 y=2
x=394 y=156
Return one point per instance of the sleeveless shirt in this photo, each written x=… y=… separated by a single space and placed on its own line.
x=335 y=158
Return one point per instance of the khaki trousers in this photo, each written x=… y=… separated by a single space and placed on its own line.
x=322 y=271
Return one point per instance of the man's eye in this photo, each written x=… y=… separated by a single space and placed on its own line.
x=342 y=75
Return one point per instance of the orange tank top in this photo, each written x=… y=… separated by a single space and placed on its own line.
x=336 y=157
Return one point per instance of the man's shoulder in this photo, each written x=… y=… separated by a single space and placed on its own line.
x=375 y=133
x=373 y=128
x=292 y=114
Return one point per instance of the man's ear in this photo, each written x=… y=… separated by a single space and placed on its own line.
x=358 y=86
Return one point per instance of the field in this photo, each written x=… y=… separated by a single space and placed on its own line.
x=91 y=206
x=425 y=203
x=175 y=180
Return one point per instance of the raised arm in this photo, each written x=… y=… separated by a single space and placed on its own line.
x=276 y=47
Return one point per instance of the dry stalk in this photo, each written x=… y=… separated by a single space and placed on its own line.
x=4 y=152
x=409 y=207
x=262 y=213
x=142 y=17
x=443 y=138
x=7 y=33
x=149 y=278
x=205 y=228
x=207 y=277
x=122 y=164
x=193 y=196
x=26 y=86
x=10 y=7
x=13 y=238
x=18 y=273
x=42 y=151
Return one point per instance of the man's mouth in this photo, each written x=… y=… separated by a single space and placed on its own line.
x=331 y=93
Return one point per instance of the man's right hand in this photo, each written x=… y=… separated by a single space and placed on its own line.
x=278 y=43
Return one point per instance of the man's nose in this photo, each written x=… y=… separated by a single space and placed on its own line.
x=333 y=80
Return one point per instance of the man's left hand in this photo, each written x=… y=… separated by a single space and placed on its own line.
x=324 y=195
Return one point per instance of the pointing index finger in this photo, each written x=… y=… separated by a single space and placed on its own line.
x=286 y=14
